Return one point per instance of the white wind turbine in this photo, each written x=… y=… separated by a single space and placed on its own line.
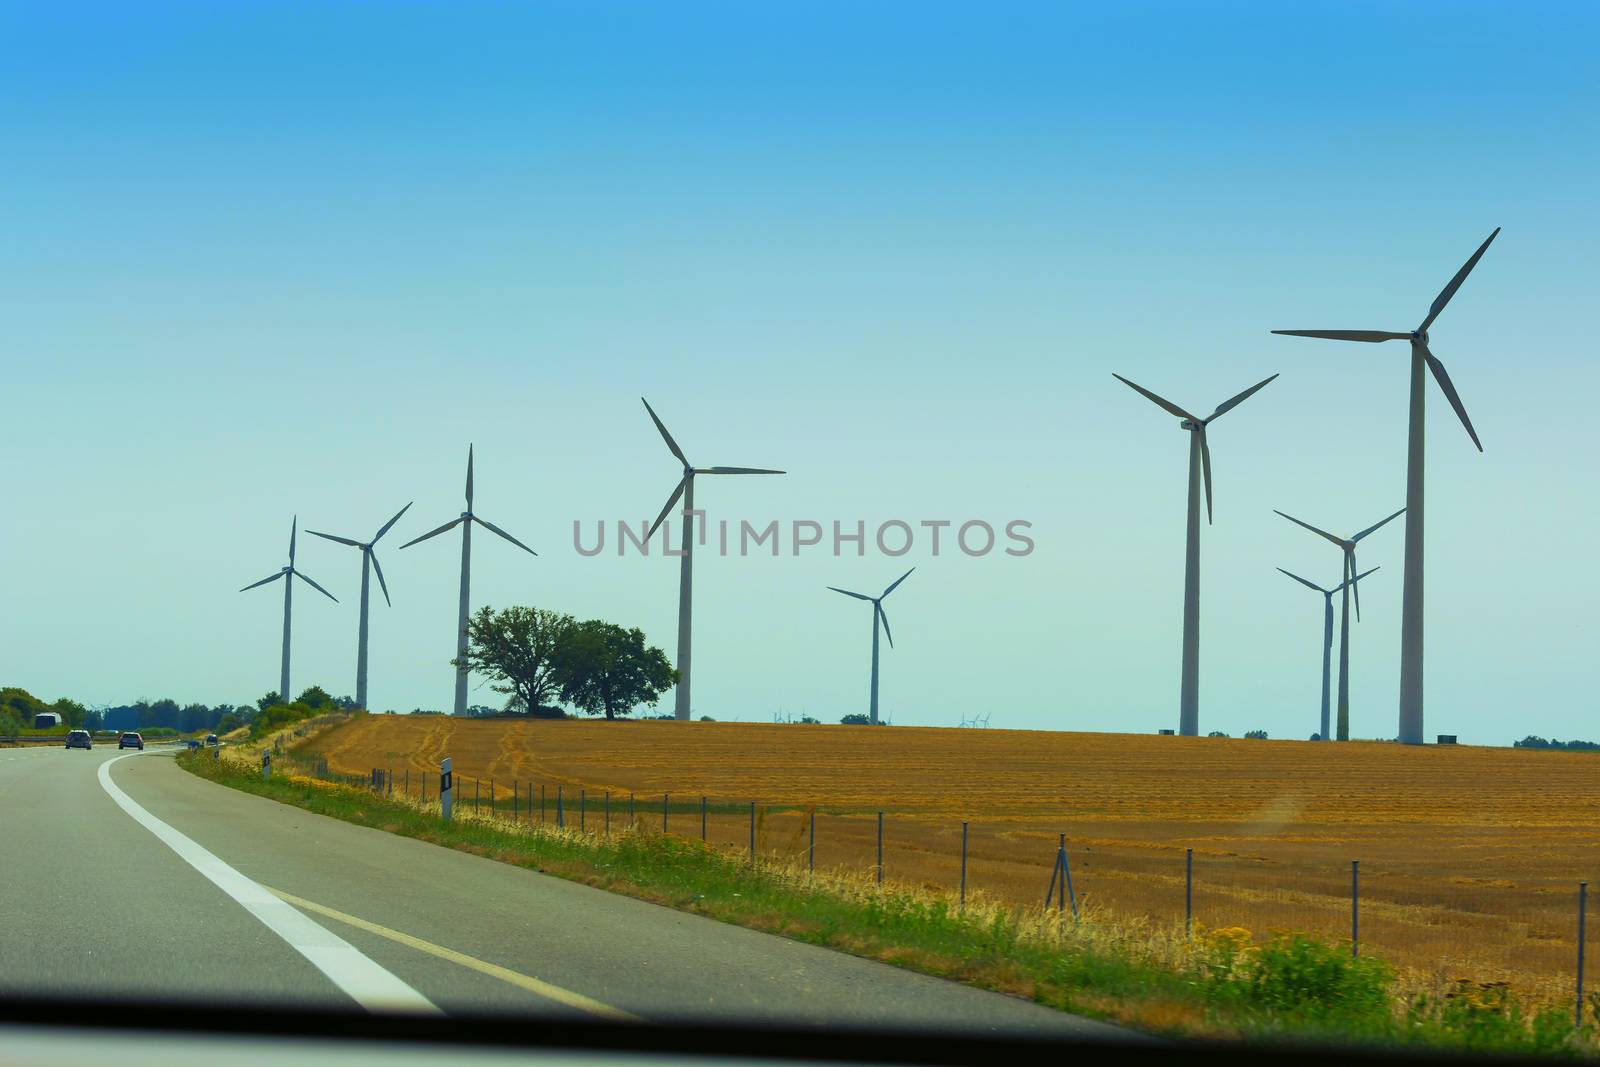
x=877 y=614
x=1199 y=472
x=685 y=489
x=465 y=521
x=1327 y=636
x=288 y=574
x=1411 y=597
x=369 y=563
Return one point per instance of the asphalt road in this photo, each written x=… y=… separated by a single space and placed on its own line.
x=124 y=875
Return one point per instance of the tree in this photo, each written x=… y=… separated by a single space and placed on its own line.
x=856 y=719
x=1256 y=735
x=604 y=668
x=268 y=699
x=517 y=648
x=316 y=697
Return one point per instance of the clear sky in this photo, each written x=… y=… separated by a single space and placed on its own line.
x=266 y=260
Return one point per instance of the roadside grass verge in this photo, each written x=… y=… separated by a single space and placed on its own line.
x=1220 y=984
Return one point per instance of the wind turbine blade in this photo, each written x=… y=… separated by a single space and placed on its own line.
x=846 y=592
x=1205 y=465
x=1455 y=283
x=737 y=470
x=391 y=522
x=1352 y=582
x=1228 y=405
x=1302 y=581
x=332 y=537
x=1336 y=540
x=492 y=528
x=897 y=582
x=671 y=500
x=379 y=570
x=315 y=586
x=665 y=436
x=293 y=527
x=885 y=617
x=1165 y=405
x=1375 y=526
x=432 y=533
x=263 y=581
x=1443 y=379
x=1350 y=576
x=1347 y=335
x=469 y=477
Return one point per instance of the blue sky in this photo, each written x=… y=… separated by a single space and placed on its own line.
x=266 y=260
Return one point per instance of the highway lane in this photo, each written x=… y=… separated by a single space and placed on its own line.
x=102 y=905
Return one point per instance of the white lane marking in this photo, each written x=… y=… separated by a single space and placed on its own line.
x=367 y=983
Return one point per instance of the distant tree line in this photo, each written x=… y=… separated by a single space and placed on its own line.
x=1569 y=746
x=18 y=709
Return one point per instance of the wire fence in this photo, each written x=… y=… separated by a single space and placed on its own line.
x=1441 y=929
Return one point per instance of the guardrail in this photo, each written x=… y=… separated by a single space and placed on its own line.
x=102 y=738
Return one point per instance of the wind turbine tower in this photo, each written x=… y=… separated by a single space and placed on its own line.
x=369 y=563
x=288 y=574
x=877 y=615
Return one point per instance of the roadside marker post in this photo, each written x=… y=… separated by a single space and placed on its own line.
x=266 y=765
x=446 y=790
x=1583 y=901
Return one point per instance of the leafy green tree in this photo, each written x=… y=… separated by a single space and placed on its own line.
x=856 y=719
x=518 y=649
x=72 y=713
x=604 y=668
x=268 y=699
x=316 y=697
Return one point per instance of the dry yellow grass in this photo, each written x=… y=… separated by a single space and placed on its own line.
x=1470 y=857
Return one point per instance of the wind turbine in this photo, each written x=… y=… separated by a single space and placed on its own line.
x=877 y=613
x=288 y=574
x=1327 y=635
x=1411 y=596
x=369 y=562
x=685 y=489
x=465 y=521
x=1348 y=544
x=1199 y=471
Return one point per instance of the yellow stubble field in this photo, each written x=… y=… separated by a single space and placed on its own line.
x=1469 y=857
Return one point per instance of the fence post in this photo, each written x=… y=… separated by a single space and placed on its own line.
x=702 y=818
x=516 y=800
x=752 y=833
x=541 y=800
x=491 y=796
x=880 y=848
x=447 y=790
x=561 y=809
x=1583 y=901
x=608 y=813
x=1188 y=892
x=1066 y=880
x=664 y=812
x=408 y=782
x=811 y=845
x=389 y=784
x=632 y=817
x=963 y=865
x=1355 y=908
x=475 y=783
x=583 y=809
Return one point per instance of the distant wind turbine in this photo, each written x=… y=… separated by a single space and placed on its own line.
x=685 y=489
x=1411 y=599
x=1199 y=471
x=465 y=521
x=287 y=574
x=369 y=562
x=1348 y=545
x=877 y=614
x=1327 y=637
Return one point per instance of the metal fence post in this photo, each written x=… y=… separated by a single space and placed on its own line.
x=491 y=796
x=516 y=800
x=475 y=783
x=408 y=782
x=389 y=785
x=541 y=800
x=632 y=816
x=702 y=818
x=880 y=848
x=583 y=809
x=1583 y=901
x=608 y=813
x=1188 y=892
x=663 y=812
x=1355 y=908
x=811 y=845
x=752 y=833
x=963 y=865
x=561 y=808
x=1066 y=879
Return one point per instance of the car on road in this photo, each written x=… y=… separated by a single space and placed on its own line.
x=211 y=739
x=193 y=743
x=79 y=739
x=131 y=740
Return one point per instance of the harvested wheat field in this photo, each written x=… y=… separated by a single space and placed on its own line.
x=1469 y=857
